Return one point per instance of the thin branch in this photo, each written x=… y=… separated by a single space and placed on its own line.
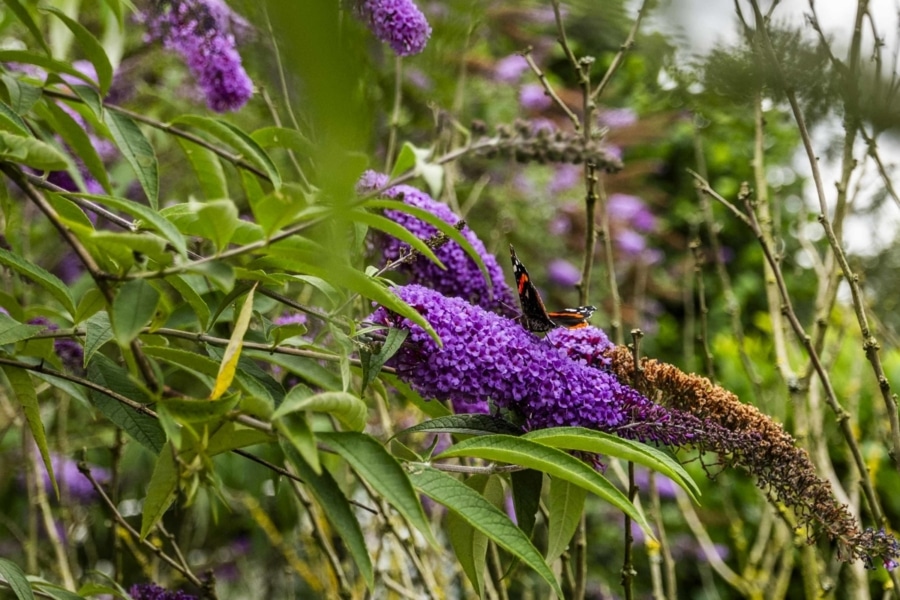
x=627 y=45
x=526 y=54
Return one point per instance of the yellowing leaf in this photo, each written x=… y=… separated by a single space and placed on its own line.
x=233 y=351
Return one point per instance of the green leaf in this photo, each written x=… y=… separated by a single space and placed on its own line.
x=22 y=95
x=281 y=137
x=48 y=64
x=337 y=510
x=588 y=440
x=143 y=428
x=132 y=309
x=208 y=169
x=187 y=293
x=97 y=331
x=90 y=304
x=470 y=547
x=215 y=220
x=526 y=492
x=406 y=160
x=219 y=273
x=395 y=230
x=565 y=503
x=16 y=579
x=25 y=17
x=446 y=228
x=161 y=489
x=11 y=331
x=465 y=424
x=186 y=360
x=296 y=431
x=350 y=410
x=483 y=516
x=197 y=411
x=92 y=49
x=133 y=145
x=372 y=363
x=380 y=470
x=30 y=152
x=50 y=282
x=21 y=384
x=238 y=140
x=527 y=453
x=148 y=218
x=280 y=208
x=15 y=123
x=231 y=437
x=431 y=408
x=76 y=137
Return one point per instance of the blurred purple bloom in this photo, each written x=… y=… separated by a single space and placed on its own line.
x=510 y=69
x=64 y=180
x=532 y=96
x=664 y=486
x=630 y=242
x=614 y=151
x=617 y=117
x=419 y=79
x=69 y=351
x=295 y=318
x=487 y=357
x=540 y=124
x=462 y=278
x=85 y=67
x=565 y=177
x=200 y=31
x=70 y=478
x=632 y=210
x=560 y=225
x=563 y=273
x=398 y=23
x=151 y=591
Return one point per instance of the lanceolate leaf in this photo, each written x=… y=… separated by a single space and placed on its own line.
x=380 y=470
x=15 y=579
x=208 y=169
x=233 y=350
x=565 y=503
x=92 y=48
x=520 y=451
x=97 y=331
x=466 y=424
x=160 y=490
x=597 y=442
x=148 y=218
x=336 y=508
x=50 y=282
x=23 y=387
x=372 y=363
x=31 y=152
x=77 y=138
x=349 y=409
x=137 y=151
x=133 y=308
x=483 y=516
x=25 y=17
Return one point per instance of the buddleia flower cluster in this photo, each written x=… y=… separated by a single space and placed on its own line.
x=576 y=378
x=201 y=31
x=462 y=277
x=398 y=23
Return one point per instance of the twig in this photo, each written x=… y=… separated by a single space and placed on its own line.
x=620 y=55
x=526 y=54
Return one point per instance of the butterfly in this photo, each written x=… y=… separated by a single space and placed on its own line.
x=534 y=316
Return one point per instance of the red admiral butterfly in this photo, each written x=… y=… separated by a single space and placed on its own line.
x=534 y=316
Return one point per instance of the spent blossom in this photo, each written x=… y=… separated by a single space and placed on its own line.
x=201 y=32
x=462 y=277
x=398 y=23
x=151 y=591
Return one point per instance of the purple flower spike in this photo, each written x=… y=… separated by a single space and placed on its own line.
x=151 y=591
x=462 y=278
x=200 y=31
x=488 y=357
x=398 y=23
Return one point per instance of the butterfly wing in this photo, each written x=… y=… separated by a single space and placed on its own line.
x=534 y=315
x=572 y=318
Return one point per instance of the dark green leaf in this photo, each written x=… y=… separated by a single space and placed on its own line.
x=160 y=490
x=25 y=17
x=466 y=424
x=15 y=123
x=526 y=493
x=50 y=282
x=524 y=452
x=337 y=509
x=187 y=293
x=132 y=309
x=380 y=470
x=137 y=151
x=92 y=48
x=372 y=363
x=21 y=384
x=22 y=95
x=565 y=503
x=15 y=578
x=483 y=516
x=588 y=440
x=97 y=331
x=196 y=411
x=11 y=331
x=143 y=428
